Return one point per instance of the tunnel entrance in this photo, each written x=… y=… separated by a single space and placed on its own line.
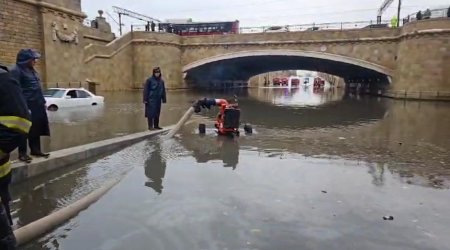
x=236 y=69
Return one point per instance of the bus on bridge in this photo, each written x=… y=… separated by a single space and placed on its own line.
x=201 y=28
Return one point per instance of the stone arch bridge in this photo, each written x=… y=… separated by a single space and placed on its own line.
x=412 y=60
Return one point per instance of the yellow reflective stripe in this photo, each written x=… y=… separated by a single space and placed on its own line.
x=15 y=122
x=5 y=169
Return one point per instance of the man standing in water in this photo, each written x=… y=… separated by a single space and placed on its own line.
x=154 y=95
x=25 y=74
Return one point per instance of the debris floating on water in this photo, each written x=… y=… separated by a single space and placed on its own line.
x=388 y=217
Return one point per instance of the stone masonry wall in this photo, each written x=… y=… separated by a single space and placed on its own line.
x=95 y=36
x=64 y=58
x=20 y=27
x=69 y=4
x=162 y=50
x=112 y=73
x=377 y=46
x=424 y=62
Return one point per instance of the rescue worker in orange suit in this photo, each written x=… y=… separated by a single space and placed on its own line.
x=14 y=124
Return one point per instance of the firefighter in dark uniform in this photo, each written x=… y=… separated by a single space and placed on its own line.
x=14 y=124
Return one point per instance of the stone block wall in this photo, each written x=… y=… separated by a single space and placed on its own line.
x=371 y=49
x=20 y=27
x=54 y=28
x=112 y=73
x=164 y=56
x=295 y=36
x=69 y=4
x=95 y=36
x=423 y=61
x=63 y=43
x=128 y=61
x=162 y=50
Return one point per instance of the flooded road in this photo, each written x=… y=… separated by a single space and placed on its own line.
x=122 y=113
x=320 y=172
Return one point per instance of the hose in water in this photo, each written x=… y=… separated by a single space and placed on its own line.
x=181 y=122
x=37 y=228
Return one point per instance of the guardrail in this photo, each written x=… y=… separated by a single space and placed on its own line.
x=406 y=94
x=142 y=27
x=297 y=27
x=316 y=26
x=435 y=13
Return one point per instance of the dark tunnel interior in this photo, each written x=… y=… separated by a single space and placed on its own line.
x=242 y=68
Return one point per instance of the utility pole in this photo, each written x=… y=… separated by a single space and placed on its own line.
x=398 y=12
x=120 y=24
x=132 y=14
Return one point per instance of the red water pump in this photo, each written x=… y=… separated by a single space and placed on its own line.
x=228 y=118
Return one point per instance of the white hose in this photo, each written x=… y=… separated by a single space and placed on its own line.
x=37 y=228
x=180 y=123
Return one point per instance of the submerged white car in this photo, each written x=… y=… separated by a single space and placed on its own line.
x=72 y=97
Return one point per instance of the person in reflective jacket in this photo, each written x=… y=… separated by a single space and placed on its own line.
x=14 y=124
x=154 y=94
x=25 y=73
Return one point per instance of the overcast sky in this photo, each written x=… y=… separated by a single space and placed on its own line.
x=258 y=12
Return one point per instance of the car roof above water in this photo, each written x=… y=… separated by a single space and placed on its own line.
x=66 y=89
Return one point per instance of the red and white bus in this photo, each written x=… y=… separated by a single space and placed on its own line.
x=200 y=28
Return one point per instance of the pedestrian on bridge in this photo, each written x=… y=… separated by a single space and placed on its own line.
x=14 y=124
x=394 y=22
x=25 y=74
x=419 y=16
x=153 y=25
x=427 y=14
x=154 y=95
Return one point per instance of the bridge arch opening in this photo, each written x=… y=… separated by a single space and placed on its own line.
x=240 y=66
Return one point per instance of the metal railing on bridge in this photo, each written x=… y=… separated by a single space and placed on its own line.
x=435 y=13
x=297 y=27
x=316 y=26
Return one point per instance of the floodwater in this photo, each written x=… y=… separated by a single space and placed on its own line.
x=320 y=172
x=122 y=113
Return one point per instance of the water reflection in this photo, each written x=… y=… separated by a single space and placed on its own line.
x=211 y=148
x=301 y=97
x=155 y=168
x=365 y=152
x=376 y=170
x=40 y=196
x=409 y=138
x=122 y=113
x=330 y=114
x=76 y=115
